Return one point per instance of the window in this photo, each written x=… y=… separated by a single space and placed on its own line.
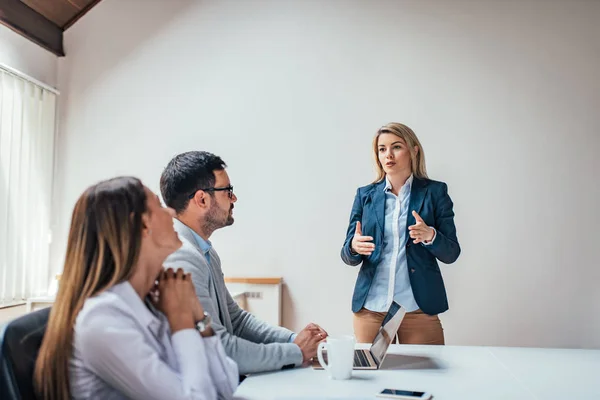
x=27 y=126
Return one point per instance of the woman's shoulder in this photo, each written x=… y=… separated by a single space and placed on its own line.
x=435 y=186
x=112 y=306
x=433 y=182
x=363 y=190
x=100 y=307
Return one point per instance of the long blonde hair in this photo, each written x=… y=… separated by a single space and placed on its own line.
x=417 y=158
x=103 y=248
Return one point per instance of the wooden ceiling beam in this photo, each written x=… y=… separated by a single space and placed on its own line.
x=19 y=17
x=59 y=12
x=84 y=11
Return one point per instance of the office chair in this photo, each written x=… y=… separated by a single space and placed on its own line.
x=20 y=341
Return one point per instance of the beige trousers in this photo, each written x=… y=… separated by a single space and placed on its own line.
x=416 y=328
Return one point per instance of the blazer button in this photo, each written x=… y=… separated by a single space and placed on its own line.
x=412 y=270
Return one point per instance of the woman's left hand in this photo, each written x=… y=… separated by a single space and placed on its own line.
x=420 y=232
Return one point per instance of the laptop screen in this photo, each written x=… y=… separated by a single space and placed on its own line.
x=387 y=332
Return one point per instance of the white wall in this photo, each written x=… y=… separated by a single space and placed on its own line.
x=25 y=56
x=504 y=96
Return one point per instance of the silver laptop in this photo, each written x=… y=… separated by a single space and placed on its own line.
x=374 y=356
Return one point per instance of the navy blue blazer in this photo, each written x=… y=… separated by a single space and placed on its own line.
x=431 y=200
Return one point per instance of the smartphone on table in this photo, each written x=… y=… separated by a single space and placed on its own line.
x=404 y=394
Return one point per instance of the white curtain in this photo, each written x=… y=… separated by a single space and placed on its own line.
x=27 y=125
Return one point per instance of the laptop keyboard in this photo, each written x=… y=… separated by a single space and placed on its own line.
x=360 y=359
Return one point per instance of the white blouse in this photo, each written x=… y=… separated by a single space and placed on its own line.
x=123 y=350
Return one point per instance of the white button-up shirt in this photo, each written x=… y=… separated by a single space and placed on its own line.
x=123 y=350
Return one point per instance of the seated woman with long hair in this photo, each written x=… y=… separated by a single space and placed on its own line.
x=122 y=326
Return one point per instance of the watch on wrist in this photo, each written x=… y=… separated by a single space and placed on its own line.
x=204 y=323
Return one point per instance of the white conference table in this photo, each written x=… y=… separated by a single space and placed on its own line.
x=448 y=373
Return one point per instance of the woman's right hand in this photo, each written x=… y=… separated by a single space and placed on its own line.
x=174 y=299
x=362 y=244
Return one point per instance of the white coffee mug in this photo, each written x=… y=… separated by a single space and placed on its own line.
x=340 y=356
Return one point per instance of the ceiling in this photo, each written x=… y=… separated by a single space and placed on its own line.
x=63 y=13
x=44 y=21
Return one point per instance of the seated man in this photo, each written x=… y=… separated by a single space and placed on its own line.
x=196 y=185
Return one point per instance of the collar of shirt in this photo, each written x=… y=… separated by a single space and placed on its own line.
x=406 y=187
x=205 y=245
x=142 y=311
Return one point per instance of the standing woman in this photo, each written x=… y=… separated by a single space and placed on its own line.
x=400 y=225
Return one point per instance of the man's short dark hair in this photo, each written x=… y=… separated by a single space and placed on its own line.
x=185 y=174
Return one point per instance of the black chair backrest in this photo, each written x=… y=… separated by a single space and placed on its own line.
x=20 y=342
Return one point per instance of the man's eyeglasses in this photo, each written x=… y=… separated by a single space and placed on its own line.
x=228 y=189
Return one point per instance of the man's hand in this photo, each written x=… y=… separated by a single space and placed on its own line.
x=308 y=340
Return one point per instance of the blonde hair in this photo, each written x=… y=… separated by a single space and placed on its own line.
x=103 y=247
x=404 y=132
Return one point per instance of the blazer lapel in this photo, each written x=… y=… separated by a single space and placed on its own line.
x=185 y=232
x=417 y=195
